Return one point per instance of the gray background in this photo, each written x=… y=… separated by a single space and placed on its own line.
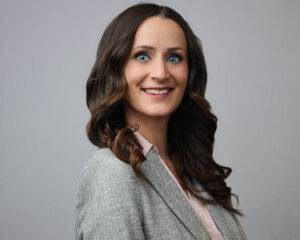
x=47 y=50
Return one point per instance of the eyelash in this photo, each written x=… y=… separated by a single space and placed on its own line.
x=144 y=53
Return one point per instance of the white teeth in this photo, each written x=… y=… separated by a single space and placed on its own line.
x=157 y=91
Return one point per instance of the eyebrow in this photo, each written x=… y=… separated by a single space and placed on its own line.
x=152 y=48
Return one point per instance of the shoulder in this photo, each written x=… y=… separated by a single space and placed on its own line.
x=104 y=161
x=104 y=164
x=108 y=195
x=107 y=174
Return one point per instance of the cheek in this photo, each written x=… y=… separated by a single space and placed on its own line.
x=182 y=76
x=133 y=73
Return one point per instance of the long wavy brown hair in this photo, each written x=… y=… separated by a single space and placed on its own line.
x=191 y=126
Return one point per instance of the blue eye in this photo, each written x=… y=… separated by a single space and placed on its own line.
x=141 y=57
x=176 y=58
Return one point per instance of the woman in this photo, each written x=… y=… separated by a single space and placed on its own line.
x=153 y=176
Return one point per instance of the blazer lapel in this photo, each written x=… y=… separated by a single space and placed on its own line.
x=168 y=190
x=214 y=211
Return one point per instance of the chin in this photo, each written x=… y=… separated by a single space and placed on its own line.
x=159 y=113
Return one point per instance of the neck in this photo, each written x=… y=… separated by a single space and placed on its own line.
x=153 y=129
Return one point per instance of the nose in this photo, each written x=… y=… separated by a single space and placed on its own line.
x=159 y=70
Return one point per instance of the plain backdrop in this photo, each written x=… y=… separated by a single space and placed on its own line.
x=47 y=49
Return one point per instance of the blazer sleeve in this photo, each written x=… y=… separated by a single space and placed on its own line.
x=107 y=202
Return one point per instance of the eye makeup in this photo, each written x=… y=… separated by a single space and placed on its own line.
x=141 y=53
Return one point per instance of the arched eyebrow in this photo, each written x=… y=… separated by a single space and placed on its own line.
x=152 y=48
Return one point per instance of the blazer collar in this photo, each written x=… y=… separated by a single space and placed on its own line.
x=168 y=190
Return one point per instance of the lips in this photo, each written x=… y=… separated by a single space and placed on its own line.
x=157 y=88
x=157 y=91
x=158 y=94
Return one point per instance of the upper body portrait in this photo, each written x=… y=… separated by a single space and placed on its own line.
x=153 y=175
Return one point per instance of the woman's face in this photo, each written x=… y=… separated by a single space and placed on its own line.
x=156 y=70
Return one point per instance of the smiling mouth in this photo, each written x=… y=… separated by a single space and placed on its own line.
x=157 y=91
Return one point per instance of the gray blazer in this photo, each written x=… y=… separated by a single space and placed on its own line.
x=112 y=203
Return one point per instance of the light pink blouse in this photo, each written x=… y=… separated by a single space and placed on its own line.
x=198 y=206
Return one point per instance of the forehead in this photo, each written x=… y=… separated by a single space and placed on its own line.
x=160 y=33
